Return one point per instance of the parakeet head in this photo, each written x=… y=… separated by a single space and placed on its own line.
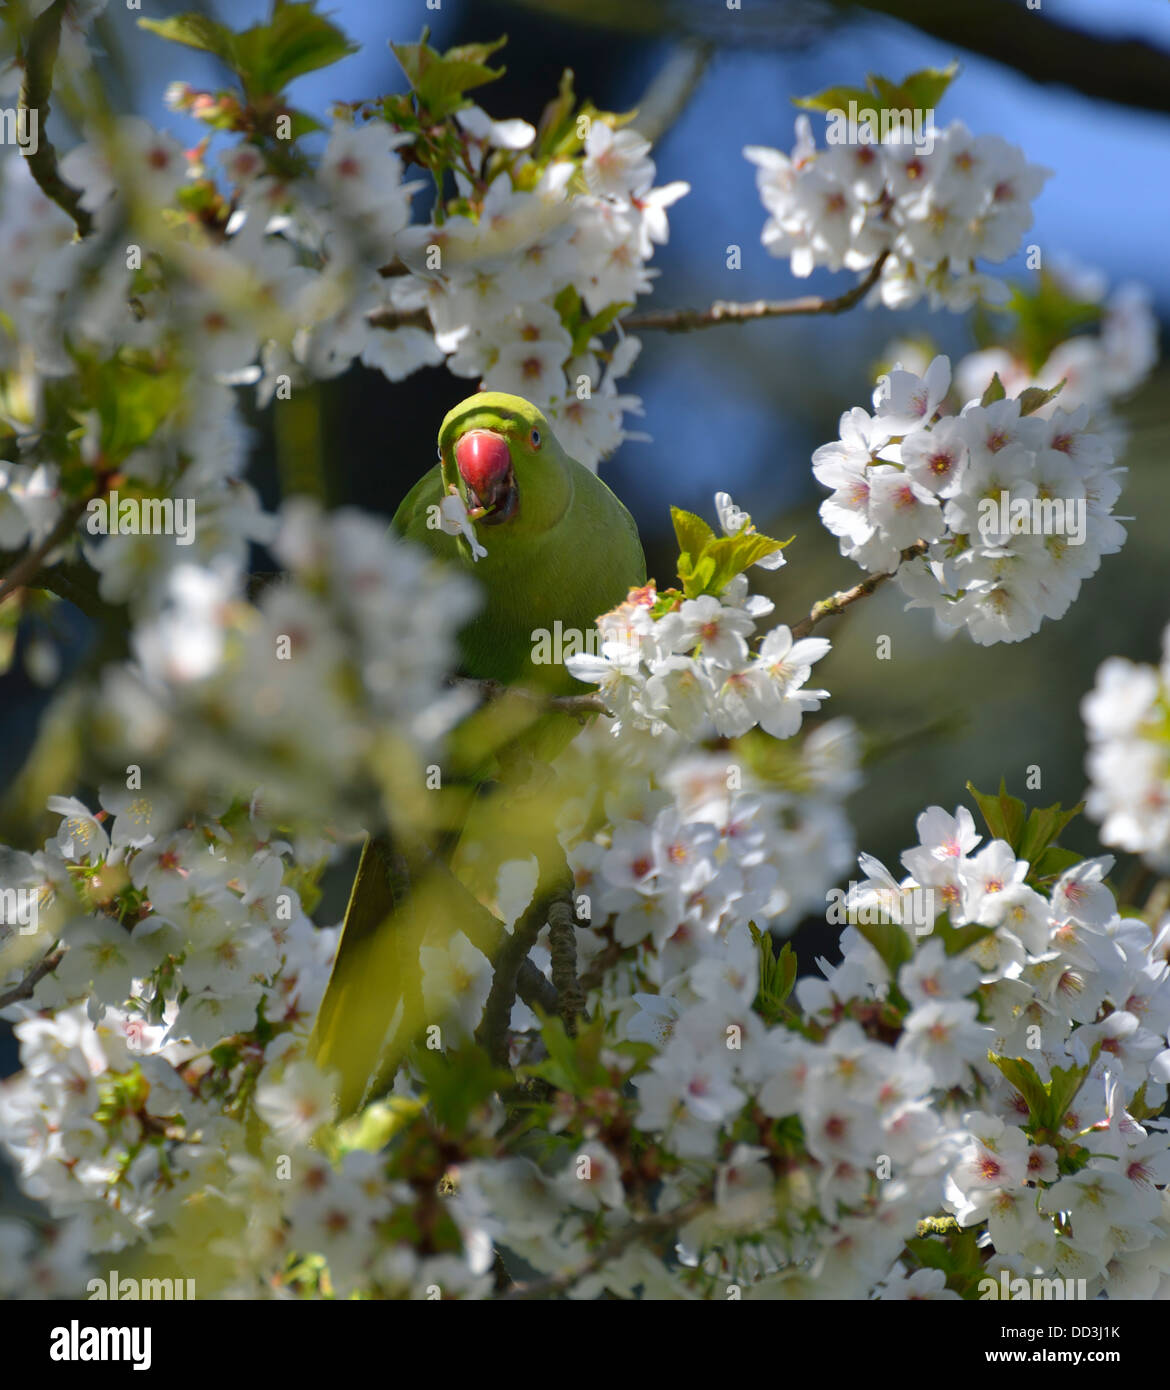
x=501 y=453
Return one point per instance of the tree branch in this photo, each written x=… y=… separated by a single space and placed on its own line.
x=45 y=966
x=1129 y=72
x=659 y=1224
x=562 y=940
x=671 y=91
x=727 y=311
x=687 y=320
x=487 y=933
x=845 y=598
x=40 y=56
x=577 y=705
x=497 y=1011
x=391 y=318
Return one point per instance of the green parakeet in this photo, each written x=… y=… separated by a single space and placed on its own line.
x=560 y=549
x=560 y=546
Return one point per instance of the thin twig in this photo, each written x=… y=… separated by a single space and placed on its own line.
x=40 y=57
x=686 y=320
x=577 y=705
x=845 y=598
x=659 y=1224
x=25 y=990
x=728 y=311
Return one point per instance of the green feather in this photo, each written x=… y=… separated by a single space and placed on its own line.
x=569 y=553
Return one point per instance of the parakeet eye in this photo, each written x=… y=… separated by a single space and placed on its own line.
x=535 y=437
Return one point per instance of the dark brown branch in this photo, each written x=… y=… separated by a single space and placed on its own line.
x=562 y=941
x=487 y=933
x=1128 y=71
x=601 y=964
x=40 y=57
x=845 y=598
x=535 y=990
x=662 y=1223
x=728 y=311
x=389 y=317
x=687 y=320
x=45 y=966
x=492 y=1033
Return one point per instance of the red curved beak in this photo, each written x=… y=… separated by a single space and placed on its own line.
x=485 y=465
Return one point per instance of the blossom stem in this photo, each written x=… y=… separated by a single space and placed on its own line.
x=845 y=598
x=24 y=990
x=727 y=311
x=577 y=705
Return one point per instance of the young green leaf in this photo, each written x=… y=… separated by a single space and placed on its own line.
x=1033 y=397
x=1043 y=829
x=1003 y=814
x=1023 y=1077
x=441 y=81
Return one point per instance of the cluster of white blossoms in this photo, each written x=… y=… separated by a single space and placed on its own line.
x=890 y=1110
x=310 y=275
x=338 y=667
x=1095 y=369
x=179 y=435
x=205 y=271
x=1013 y=510
x=499 y=288
x=697 y=844
x=168 y=939
x=1127 y=723
x=685 y=666
x=934 y=202
x=996 y=1074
